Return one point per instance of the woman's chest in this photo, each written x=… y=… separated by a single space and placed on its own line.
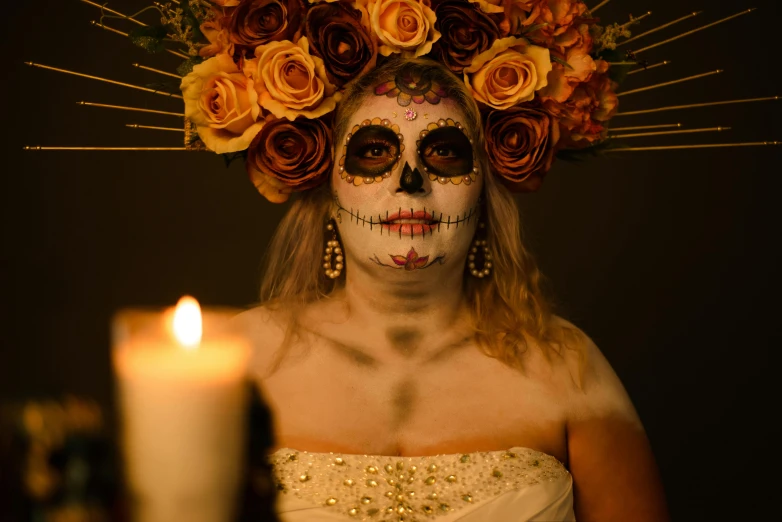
x=323 y=405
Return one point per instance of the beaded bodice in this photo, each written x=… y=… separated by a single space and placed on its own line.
x=370 y=487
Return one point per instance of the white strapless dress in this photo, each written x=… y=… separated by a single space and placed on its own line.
x=516 y=485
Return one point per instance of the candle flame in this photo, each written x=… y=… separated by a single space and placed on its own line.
x=187 y=322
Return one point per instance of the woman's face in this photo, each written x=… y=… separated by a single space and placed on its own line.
x=406 y=191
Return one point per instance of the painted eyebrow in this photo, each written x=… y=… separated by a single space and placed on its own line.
x=375 y=130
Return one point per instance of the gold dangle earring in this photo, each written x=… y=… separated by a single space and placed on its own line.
x=484 y=254
x=333 y=249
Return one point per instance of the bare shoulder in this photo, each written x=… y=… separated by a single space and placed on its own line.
x=614 y=472
x=266 y=330
x=597 y=386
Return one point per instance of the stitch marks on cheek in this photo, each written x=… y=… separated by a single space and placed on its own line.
x=371 y=152
x=406 y=222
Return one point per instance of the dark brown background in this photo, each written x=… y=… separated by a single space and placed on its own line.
x=667 y=259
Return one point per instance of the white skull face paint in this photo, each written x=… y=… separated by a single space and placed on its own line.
x=417 y=202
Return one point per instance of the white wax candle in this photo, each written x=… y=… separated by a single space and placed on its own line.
x=183 y=416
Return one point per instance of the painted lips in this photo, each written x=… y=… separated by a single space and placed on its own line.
x=410 y=222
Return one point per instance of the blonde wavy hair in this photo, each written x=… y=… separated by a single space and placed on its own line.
x=507 y=308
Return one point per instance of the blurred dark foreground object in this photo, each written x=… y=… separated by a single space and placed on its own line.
x=59 y=463
x=260 y=492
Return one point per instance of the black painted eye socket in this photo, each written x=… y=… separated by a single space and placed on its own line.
x=446 y=151
x=372 y=150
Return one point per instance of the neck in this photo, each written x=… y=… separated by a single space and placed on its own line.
x=425 y=304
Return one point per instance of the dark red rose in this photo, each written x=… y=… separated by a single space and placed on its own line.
x=257 y=22
x=337 y=36
x=289 y=156
x=466 y=32
x=520 y=142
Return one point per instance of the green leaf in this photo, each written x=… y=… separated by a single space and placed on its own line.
x=169 y=87
x=186 y=67
x=617 y=73
x=611 y=55
x=560 y=61
x=230 y=157
x=191 y=20
x=194 y=138
x=149 y=38
x=533 y=28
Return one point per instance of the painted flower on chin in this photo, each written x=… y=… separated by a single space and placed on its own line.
x=222 y=103
x=411 y=261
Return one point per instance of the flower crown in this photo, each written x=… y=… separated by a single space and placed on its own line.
x=262 y=78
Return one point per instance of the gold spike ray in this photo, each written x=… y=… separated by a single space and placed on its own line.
x=694 y=31
x=112 y=11
x=693 y=105
x=699 y=146
x=38 y=147
x=635 y=20
x=117 y=31
x=172 y=75
x=644 y=127
x=137 y=126
x=672 y=82
x=126 y=108
x=661 y=133
x=650 y=31
x=598 y=6
x=642 y=69
x=66 y=71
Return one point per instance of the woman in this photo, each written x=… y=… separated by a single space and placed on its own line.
x=416 y=368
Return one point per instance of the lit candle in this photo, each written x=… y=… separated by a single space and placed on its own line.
x=182 y=399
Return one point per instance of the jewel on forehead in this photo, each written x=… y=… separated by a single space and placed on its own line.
x=410 y=114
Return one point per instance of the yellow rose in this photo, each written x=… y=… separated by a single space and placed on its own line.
x=222 y=103
x=290 y=82
x=509 y=73
x=489 y=6
x=403 y=26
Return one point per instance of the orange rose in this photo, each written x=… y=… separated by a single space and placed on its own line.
x=584 y=116
x=509 y=73
x=554 y=18
x=219 y=39
x=291 y=82
x=562 y=80
x=222 y=103
x=403 y=26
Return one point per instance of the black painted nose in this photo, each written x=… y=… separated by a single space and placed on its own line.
x=411 y=180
